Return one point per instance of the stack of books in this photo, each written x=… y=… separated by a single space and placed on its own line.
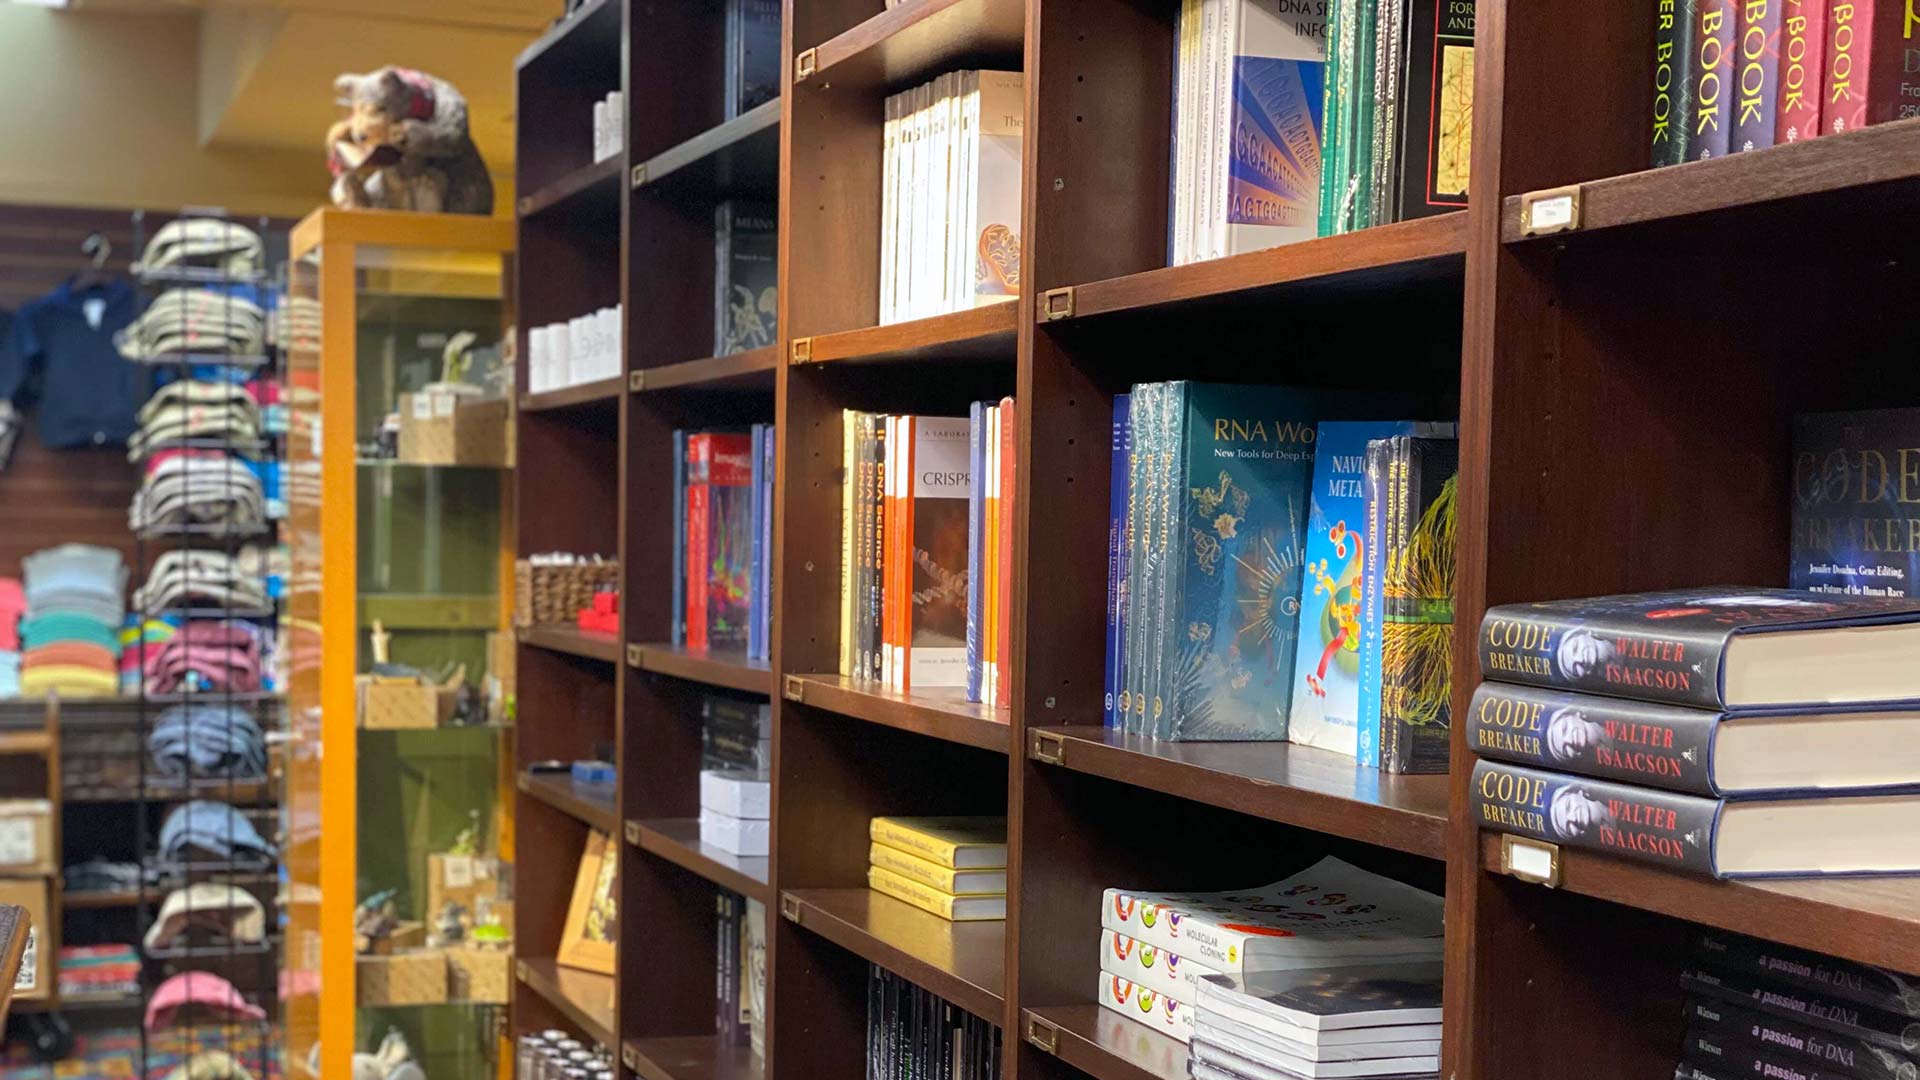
x=736 y=811
x=1759 y=1009
x=723 y=540
x=954 y=867
x=1732 y=732
x=913 y=1033
x=736 y=734
x=1367 y=1020
x=1288 y=126
x=950 y=195
x=926 y=551
x=1155 y=948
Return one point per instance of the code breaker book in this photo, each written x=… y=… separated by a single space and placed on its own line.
x=1856 y=502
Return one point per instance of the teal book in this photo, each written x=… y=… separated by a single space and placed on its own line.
x=1246 y=458
x=1326 y=685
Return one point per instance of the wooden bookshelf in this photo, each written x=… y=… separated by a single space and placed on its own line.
x=582 y=997
x=1623 y=426
x=600 y=392
x=558 y=791
x=586 y=644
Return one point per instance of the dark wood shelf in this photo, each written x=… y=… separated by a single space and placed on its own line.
x=963 y=962
x=589 y=190
x=738 y=156
x=941 y=714
x=982 y=333
x=921 y=38
x=689 y=1057
x=677 y=840
x=730 y=669
x=749 y=370
x=558 y=791
x=1105 y=1045
x=1424 y=249
x=1870 y=174
x=584 y=997
x=592 y=28
x=573 y=641
x=116 y=898
x=1298 y=785
x=597 y=392
x=1874 y=920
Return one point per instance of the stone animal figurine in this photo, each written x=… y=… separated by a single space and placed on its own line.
x=404 y=145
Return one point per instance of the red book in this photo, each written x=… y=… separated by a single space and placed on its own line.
x=890 y=587
x=699 y=462
x=1868 y=80
x=1009 y=499
x=1803 y=49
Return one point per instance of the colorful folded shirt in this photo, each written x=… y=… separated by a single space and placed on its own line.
x=71 y=653
x=48 y=629
x=73 y=682
x=208 y=739
x=202 y=988
x=213 y=828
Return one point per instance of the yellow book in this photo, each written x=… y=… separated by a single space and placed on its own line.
x=933 y=875
x=946 y=905
x=957 y=843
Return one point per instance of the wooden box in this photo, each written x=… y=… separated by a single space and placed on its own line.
x=387 y=704
x=478 y=974
x=440 y=428
x=418 y=977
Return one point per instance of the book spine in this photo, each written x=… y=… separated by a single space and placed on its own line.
x=875 y=1005
x=730 y=103
x=1803 y=45
x=722 y=263
x=1849 y=63
x=890 y=514
x=1166 y=701
x=1602 y=654
x=990 y=550
x=1876 y=988
x=929 y=900
x=755 y=557
x=1140 y=408
x=698 y=497
x=1372 y=610
x=889 y=204
x=769 y=462
x=1117 y=540
x=1798 y=1044
x=730 y=540
x=1436 y=101
x=1827 y=1012
x=904 y=541
x=913 y=868
x=1211 y=22
x=1416 y=669
x=913 y=841
x=1332 y=107
x=726 y=1009
x=1393 y=547
x=976 y=537
x=1738 y=1057
x=1713 y=76
x=677 y=612
x=1660 y=827
x=876 y=546
x=1663 y=746
x=1009 y=506
x=849 y=533
x=1757 y=98
x=1673 y=37
x=1160 y=970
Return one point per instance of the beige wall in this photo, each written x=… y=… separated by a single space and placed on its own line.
x=104 y=111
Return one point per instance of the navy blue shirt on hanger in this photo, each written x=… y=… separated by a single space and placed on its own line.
x=88 y=393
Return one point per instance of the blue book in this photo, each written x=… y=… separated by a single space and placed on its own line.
x=753 y=54
x=677 y=618
x=1326 y=669
x=1856 y=502
x=755 y=438
x=1373 y=603
x=768 y=457
x=1117 y=555
x=976 y=537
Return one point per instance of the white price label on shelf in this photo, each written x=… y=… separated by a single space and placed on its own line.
x=18 y=845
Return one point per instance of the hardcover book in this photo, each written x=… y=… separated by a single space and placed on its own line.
x=976 y=538
x=1803 y=45
x=1266 y=142
x=1416 y=647
x=1326 y=669
x=1741 y=1057
x=1713 y=79
x=725 y=461
x=1331 y=914
x=1856 y=502
x=1720 y=837
x=1829 y=1012
x=1871 y=75
x=745 y=275
x=1799 y=1044
x=1874 y=987
x=1711 y=648
x=1675 y=23
x=677 y=613
x=1756 y=85
x=1436 y=119
x=937 y=634
x=958 y=843
x=1003 y=552
x=756 y=442
x=934 y=876
x=933 y=901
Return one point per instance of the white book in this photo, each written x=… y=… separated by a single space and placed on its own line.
x=1354 y=1044
x=951 y=225
x=1225 y=118
x=889 y=203
x=1290 y=924
x=1186 y=62
x=1304 y=1004
x=911 y=130
x=994 y=239
x=1268 y=159
x=849 y=480
x=1272 y=1066
x=922 y=203
x=1160 y=970
x=1212 y=26
x=941 y=174
x=1142 y=1005
x=959 y=265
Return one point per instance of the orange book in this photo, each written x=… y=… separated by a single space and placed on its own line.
x=890 y=596
x=1009 y=498
x=903 y=614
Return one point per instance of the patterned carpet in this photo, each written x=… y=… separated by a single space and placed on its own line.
x=114 y=1054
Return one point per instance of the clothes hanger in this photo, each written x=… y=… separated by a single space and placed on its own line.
x=100 y=249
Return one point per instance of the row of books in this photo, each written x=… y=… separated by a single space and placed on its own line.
x=1330 y=965
x=913 y=1033
x=1754 y=1008
x=736 y=792
x=740 y=959
x=609 y=125
x=580 y=350
x=1274 y=575
x=1733 y=76
x=953 y=867
x=1299 y=120
x=745 y=276
x=723 y=540
x=950 y=194
x=926 y=547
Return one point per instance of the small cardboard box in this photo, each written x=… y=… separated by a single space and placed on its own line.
x=26 y=837
x=441 y=428
x=478 y=974
x=35 y=982
x=387 y=704
x=418 y=977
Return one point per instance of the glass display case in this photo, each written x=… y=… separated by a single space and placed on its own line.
x=399 y=824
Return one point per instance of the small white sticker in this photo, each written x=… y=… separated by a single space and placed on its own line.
x=443 y=404
x=1552 y=213
x=458 y=871
x=29 y=978
x=1530 y=861
x=422 y=408
x=17 y=842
